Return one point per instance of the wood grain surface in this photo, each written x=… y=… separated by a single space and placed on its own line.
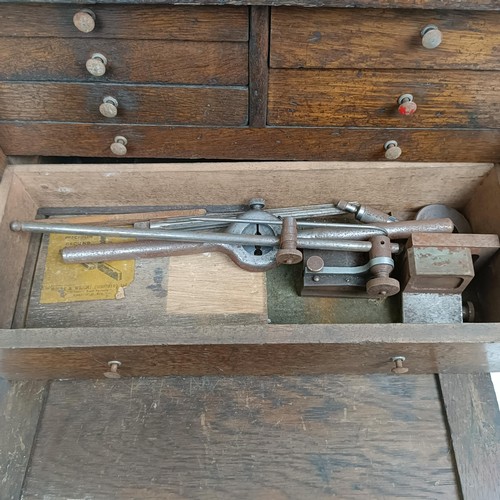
x=21 y=404
x=79 y=102
x=401 y=186
x=213 y=63
x=133 y=22
x=258 y=65
x=353 y=98
x=14 y=203
x=190 y=346
x=474 y=421
x=486 y=200
x=3 y=162
x=245 y=437
x=155 y=141
x=416 y=4
x=383 y=39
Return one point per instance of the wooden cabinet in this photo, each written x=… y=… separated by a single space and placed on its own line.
x=246 y=82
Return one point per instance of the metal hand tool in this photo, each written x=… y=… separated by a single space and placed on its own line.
x=395 y=230
x=364 y=213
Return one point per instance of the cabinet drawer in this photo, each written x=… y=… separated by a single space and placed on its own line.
x=180 y=105
x=367 y=98
x=190 y=345
x=358 y=38
x=214 y=63
x=164 y=22
x=287 y=143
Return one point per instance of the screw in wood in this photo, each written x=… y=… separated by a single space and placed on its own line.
x=398 y=362
x=113 y=369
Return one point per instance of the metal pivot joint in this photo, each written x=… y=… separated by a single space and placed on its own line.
x=288 y=253
x=381 y=285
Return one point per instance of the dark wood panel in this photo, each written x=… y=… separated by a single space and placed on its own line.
x=356 y=98
x=21 y=404
x=258 y=65
x=190 y=347
x=136 y=103
x=474 y=421
x=340 y=38
x=52 y=139
x=259 y=438
x=214 y=63
x=133 y=22
x=416 y=4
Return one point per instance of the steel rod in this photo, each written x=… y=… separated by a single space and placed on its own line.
x=82 y=254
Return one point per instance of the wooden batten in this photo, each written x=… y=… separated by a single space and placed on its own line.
x=3 y=162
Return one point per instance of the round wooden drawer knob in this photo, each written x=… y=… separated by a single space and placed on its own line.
x=113 y=369
x=119 y=146
x=407 y=106
x=96 y=65
x=392 y=150
x=109 y=107
x=84 y=20
x=431 y=36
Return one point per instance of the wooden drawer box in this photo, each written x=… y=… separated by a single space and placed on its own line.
x=185 y=346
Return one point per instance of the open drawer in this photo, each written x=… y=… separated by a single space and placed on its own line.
x=184 y=345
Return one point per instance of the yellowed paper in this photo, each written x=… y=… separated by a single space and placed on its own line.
x=80 y=282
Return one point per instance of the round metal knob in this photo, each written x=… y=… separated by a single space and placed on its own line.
x=96 y=65
x=431 y=36
x=84 y=20
x=315 y=264
x=109 y=107
x=406 y=105
x=392 y=150
x=398 y=368
x=113 y=369
x=119 y=146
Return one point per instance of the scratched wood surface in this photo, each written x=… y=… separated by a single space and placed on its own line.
x=369 y=98
x=383 y=39
x=208 y=288
x=417 y=4
x=213 y=63
x=181 y=105
x=272 y=143
x=243 y=437
x=474 y=420
x=133 y=22
x=21 y=403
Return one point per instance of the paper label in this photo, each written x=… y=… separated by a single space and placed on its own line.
x=81 y=282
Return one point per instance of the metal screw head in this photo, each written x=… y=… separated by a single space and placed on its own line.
x=257 y=203
x=315 y=264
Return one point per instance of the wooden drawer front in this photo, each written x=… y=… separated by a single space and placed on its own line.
x=346 y=38
x=154 y=141
x=370 y=98
x=128 y=21
x=136 y=103
x=214 y=63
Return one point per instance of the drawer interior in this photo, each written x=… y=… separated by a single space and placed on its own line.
x=66 y=189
